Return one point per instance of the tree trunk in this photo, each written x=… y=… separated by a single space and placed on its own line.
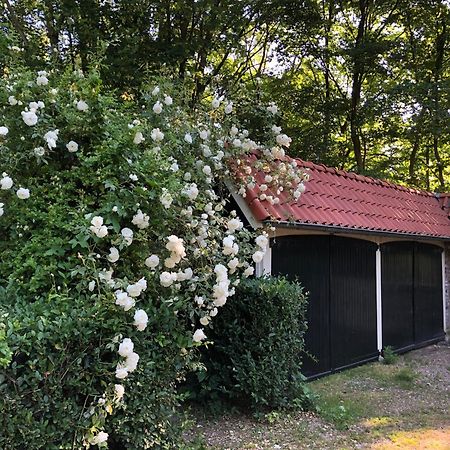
x=358 y=75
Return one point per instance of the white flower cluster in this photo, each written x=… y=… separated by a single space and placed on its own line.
x=140 y=219
x=98 y=228
x=6 y=183
x=177 y=251
x=124 y=368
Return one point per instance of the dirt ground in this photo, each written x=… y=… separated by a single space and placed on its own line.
x=376 y=406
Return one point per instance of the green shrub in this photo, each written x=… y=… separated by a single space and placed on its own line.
x=389 y=355
x=60 y=367
x=258 y=345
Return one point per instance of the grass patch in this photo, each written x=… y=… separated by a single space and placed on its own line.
x=349 y=397
x=405 y=378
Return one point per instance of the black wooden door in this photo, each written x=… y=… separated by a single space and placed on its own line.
x=353 y=305
x=428 y=311
x=307 y=259
x=411 y=294
x=397 y=294
x=339 y=274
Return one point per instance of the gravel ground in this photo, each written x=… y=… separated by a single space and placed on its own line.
x=405 y=405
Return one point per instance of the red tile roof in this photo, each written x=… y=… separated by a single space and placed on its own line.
x=345 y=200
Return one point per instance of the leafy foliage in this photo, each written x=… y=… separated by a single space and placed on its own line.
x=109 y=208
x=258 y=345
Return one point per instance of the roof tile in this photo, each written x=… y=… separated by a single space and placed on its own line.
x=348 y=200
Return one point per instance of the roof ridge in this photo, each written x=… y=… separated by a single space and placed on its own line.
x=363 y=178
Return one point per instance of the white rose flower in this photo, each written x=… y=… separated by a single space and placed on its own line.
x=167 y=279
x=140 y=319
x=191 y=191
x=175 y=244
x=258 y=256
x=171 y=262
x=221 y=272
x=138 y=138
x=30 y=118
x=213 y=312
x=106 y=276
x=82 y=106
x=113 y=255
x=3 y=131
x=152 y=261
x=72 y=146
x=204 y=320
x=283 y=139
x=12 y=100
x=134 y=290
x=39 y=151
x=98 y=228
x=127 y=235
x=119 y=391
x=249 y=271
x=207 y=170
x=42 y=80
x=229 y=108
x=262 y=241
x=157 y=135
x=124 y=300
x=272 y=108
x=215 y=103
x=232 y=265
x=23 y=193
x=203 y=135
x=91 y=285
x=276 y=130
x=168 y=100
x=234 y=131
x=121 y=371
x=206 y=151
x=155 y=91
x=174 y=167
x=166 y=199
x=188 y=138
x=199 y=335
x=141 y=220
x=6 y=182
x=132 y=362
x=234 y=224
x=102 y=231
x=157 y=108
x=99 y=438
x=97 y=221
x=51 y=137
x=126 y=347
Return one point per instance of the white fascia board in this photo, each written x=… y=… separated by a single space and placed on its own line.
x=254 y=223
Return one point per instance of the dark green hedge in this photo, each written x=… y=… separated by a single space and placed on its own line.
x=258 y=345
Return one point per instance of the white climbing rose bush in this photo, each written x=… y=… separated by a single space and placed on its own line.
x=118 y=250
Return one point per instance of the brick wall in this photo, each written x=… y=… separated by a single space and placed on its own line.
x=447 y=287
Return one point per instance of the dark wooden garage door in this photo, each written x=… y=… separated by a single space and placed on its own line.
x=339 y=273
x=411 y=294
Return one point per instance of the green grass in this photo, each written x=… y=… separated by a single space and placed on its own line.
x=348 y=397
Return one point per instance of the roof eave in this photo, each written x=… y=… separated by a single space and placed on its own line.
x=337 y=229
